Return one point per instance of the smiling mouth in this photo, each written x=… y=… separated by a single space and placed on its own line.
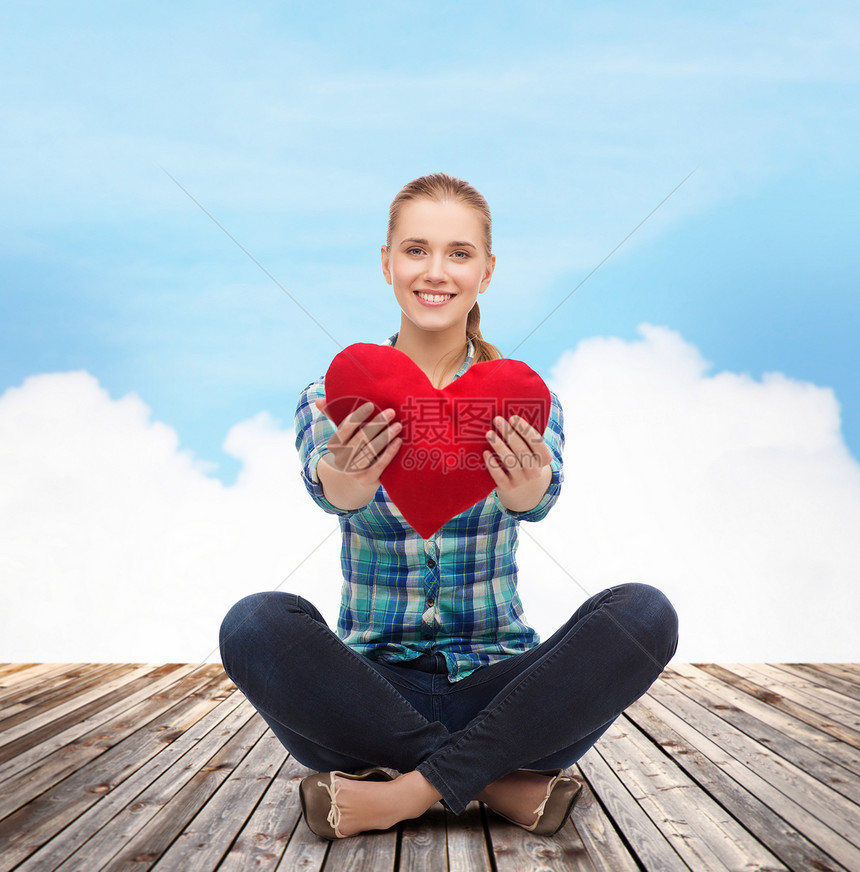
x=433 y=298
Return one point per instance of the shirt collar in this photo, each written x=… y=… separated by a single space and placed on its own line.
x=470 y=353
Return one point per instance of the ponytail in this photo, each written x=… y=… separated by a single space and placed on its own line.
x=483 y=349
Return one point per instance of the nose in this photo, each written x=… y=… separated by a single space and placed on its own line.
x=435 y=268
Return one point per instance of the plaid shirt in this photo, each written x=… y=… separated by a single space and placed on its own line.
x=455 y=593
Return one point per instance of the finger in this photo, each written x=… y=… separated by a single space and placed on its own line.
x=519 y=465
x=495 y=468
x=518 y=433
x=322 y=405
x=353 y=422
x=508 y=454
x=526 y=430
x=388 y=455
x=498 y=444
x=364 y=450
x=357 y=415
x=515 y=440
x=373 y=459
x=378 y=427
x=383 y=437
x=359 y=458
x=533 y=442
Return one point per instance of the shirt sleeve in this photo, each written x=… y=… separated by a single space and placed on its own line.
x=554 y=437
x=313 y=430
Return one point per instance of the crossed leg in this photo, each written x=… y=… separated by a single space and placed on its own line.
x=333 y=710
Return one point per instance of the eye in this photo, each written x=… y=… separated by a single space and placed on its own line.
x=415 y=251
x=460 y=255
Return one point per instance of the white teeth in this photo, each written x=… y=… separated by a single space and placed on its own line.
x=435 y=298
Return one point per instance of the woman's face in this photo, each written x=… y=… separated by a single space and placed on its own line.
x=437 y=263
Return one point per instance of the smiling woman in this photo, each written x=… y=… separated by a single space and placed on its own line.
x=434 y=670
x=439 y=250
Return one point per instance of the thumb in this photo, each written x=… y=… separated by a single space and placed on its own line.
x=320 y=403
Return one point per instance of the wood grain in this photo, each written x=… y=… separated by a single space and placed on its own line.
x=109 y=767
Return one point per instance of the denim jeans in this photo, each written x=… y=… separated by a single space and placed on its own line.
x=333 y=708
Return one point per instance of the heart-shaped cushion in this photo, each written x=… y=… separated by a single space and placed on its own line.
x=439 y=470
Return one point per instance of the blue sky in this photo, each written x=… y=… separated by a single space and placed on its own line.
x=294 y=125
x=689 y=463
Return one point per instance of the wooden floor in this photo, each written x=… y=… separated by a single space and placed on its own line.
x=137 y=767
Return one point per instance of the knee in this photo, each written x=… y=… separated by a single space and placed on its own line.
x=238 y=626
x=257 y=619
x=652 y=611
x=237 y=621
x=654 y=604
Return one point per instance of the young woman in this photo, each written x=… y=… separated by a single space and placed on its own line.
x=434 y=671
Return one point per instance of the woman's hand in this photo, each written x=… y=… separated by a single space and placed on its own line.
x=520 y=465
x=362 y=448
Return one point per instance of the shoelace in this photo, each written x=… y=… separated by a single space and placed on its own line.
x=334 y=812
x=540 y=809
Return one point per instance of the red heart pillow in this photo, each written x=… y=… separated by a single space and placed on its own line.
x=439 y=470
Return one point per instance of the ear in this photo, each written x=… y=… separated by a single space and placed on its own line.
x=488 y=274
x=386 y=264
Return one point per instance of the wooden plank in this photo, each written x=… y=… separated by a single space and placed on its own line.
x=729 y=767
x=607 y=851
x=818 y=699
x=766 y=732
x=22 y=682
x=10 y=670
x=44 y=699
x=97 y=827
x=801 y=712
x=423 y=842
x=750 y=774
x=818 y=688
x=847 y=672
x=152 y=840
x=699 y=829
x=163 y=783
x=209 y=835
x=373 y=852
x=650 y=846
x=43 y=743
x=820 y=676
x=78 y=786
x=830 y=807
x=304 y=851
x=802 y=732
x=467 y=844
x=516 y=850
x=43 y=695
x=262 y=841
x=12 y=673
x=42 y=716
x=91 y=713
x=796 y=851
x=23 y=787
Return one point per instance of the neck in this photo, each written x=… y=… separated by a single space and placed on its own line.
x=429 y=348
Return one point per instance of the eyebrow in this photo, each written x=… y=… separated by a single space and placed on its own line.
x=450 y=244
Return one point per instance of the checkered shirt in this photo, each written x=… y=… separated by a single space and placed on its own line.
x=456 y=592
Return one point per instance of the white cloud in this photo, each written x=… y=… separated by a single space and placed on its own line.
x=116 y=546
x=735 y=496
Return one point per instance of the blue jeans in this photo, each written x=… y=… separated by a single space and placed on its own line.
x=333 y=708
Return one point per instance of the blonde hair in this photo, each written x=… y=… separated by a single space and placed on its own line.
x=442 y=187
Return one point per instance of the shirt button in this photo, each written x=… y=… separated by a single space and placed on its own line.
x=431 y=562
x=431 y=601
